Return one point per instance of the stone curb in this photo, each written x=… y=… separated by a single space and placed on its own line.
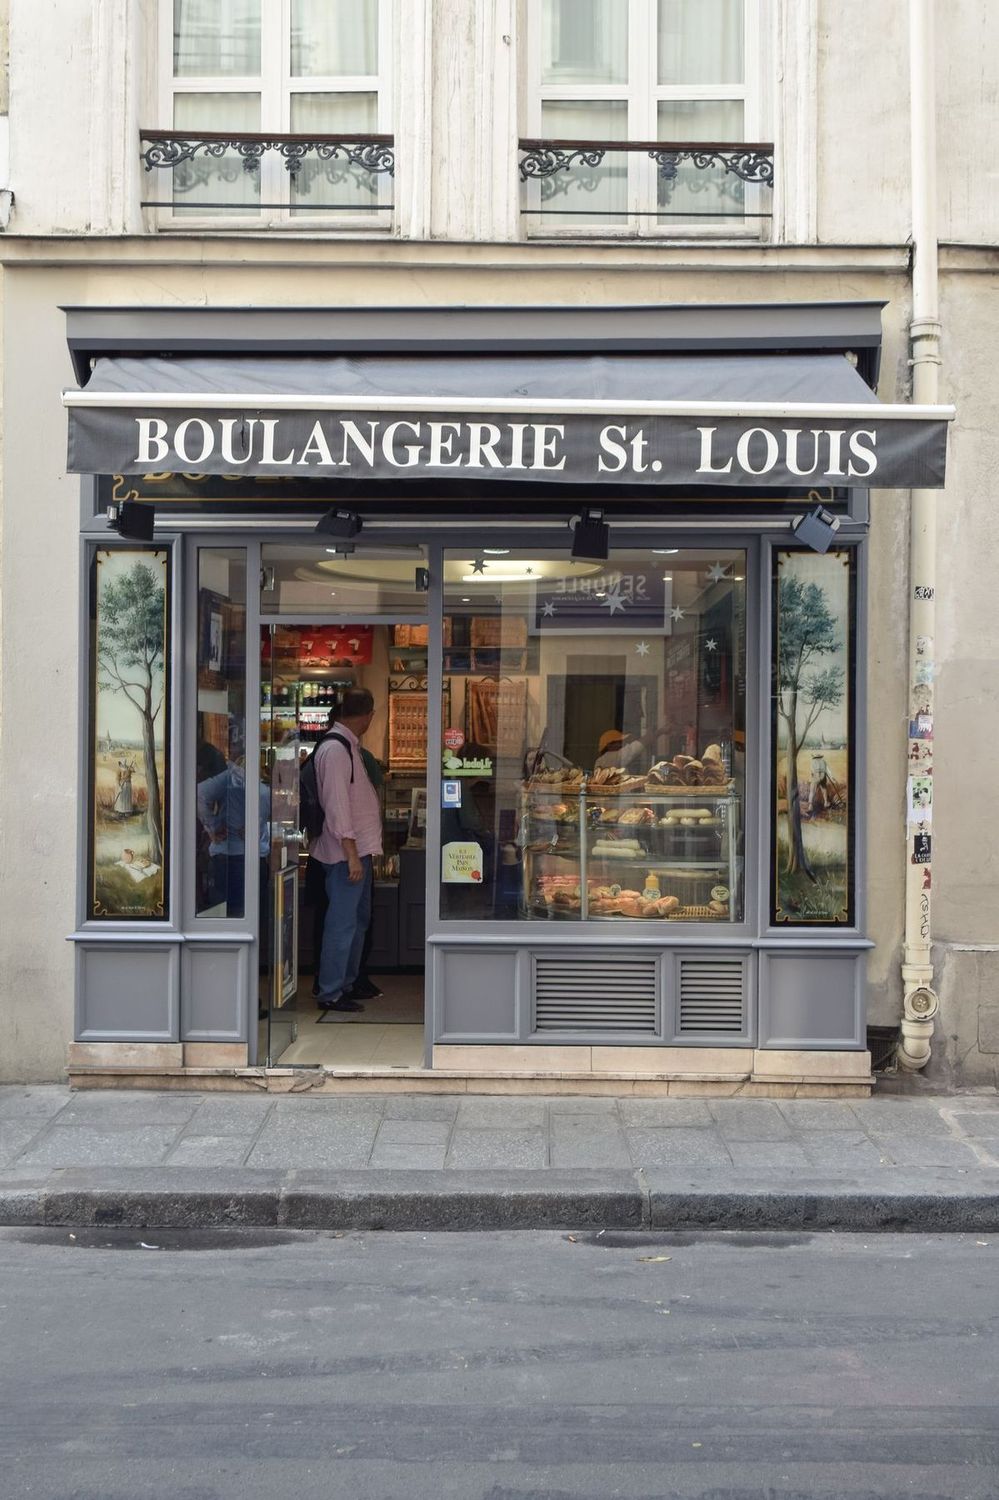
x=934 y=1200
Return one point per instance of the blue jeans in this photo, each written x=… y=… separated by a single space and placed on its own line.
x=347 y=917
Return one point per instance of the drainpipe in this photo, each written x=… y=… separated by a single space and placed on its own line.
x=920 y=1001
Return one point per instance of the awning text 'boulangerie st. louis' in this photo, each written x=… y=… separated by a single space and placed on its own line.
x=693 y=421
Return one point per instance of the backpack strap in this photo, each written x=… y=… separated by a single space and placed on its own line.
x=341 y=739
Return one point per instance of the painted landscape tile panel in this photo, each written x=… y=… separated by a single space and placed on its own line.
x=813 y=716
x=129 y=613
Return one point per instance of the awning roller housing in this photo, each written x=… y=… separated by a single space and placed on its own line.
x=646 y=419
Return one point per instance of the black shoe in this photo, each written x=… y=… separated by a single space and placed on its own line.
x=363 y=989
x=315 y=989
x=344 y=1003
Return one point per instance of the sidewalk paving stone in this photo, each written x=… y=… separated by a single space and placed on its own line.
x=421 y=1106
x=750 y=1120
x=230 y=1114
x=817 y=1114
x=111 y=1109
x=28 y=1102
x=84 y=1145
x=15 y=1138
x=930 y=1151
x=416 y=1158
x=981 y=1122
x=495 y=1149
x=677 y=1147
x=683 y=1113
x=608 y=1149
x=413 y=1133
x=488 y=1112
x=210 y=1151
x=848 y=1149
x=766 y=1155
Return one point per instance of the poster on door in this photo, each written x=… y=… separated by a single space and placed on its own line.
x=461 y=863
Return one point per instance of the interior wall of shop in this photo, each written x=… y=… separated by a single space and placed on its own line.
x=39 y=580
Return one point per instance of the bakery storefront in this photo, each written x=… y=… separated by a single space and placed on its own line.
x=604 y=573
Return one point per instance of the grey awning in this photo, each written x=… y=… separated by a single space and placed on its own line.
x=647 y=419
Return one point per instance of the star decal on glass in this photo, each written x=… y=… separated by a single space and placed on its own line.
x=478 y=566
x=717 y=572
x=711 y=645
x=549 y=608
x=643 y=648
x=676 y=613
x=613 y=602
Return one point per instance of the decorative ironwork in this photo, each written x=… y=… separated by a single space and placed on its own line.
x=197 y=161
x=563 y=167
x=750 y=163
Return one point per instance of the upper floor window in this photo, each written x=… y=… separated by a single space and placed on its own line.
x=273 y=111
x=652 y=75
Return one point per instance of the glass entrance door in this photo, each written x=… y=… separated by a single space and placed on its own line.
x=281 y=843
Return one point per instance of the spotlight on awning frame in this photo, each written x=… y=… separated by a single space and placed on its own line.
x=339 y=523
x=817 y=529
x=590 y=537
x=131 y=520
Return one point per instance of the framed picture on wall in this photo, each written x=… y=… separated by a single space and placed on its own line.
x=285 y=936
x=211 y=638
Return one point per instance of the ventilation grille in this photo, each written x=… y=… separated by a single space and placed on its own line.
x=712 y=995
x=595 y=994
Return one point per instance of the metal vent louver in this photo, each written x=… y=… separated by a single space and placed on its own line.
x=712 y=995
x=597 y=994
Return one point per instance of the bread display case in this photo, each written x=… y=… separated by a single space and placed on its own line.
x=635 y=849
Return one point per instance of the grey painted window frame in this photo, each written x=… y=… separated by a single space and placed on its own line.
x=186 y=534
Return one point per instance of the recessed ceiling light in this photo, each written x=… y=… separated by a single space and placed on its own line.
x=465 y=599
x=497 y=551
x=332 y=593
x=665 y=551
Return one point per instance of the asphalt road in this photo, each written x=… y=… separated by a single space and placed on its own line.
x=515 y=1366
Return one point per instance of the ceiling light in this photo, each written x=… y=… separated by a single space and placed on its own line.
x=131 y=520
x=345 y=523
x=492 y=578
x=590 y=536
x=816 y=529
x=465 y=599
x=665 y=551
x=496 y=551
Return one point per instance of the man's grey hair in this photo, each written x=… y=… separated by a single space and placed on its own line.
x=355 y=703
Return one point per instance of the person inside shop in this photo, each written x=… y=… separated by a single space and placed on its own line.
x=221 y=808
x=627 y=752
x=364 y=987
x=351 y=836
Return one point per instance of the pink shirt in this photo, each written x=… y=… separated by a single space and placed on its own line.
x=351 y=810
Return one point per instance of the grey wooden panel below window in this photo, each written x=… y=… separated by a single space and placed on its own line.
x=214 y=992
x=478 y=994
x=811 y=999
x=128 y=992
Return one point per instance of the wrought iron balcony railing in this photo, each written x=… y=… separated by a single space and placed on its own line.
x=667 y=182
x=244 y=174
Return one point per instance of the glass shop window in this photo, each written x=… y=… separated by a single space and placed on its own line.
x=220 y=753
x=594 y=759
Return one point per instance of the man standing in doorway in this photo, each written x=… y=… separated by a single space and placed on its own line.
x=352 y=834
